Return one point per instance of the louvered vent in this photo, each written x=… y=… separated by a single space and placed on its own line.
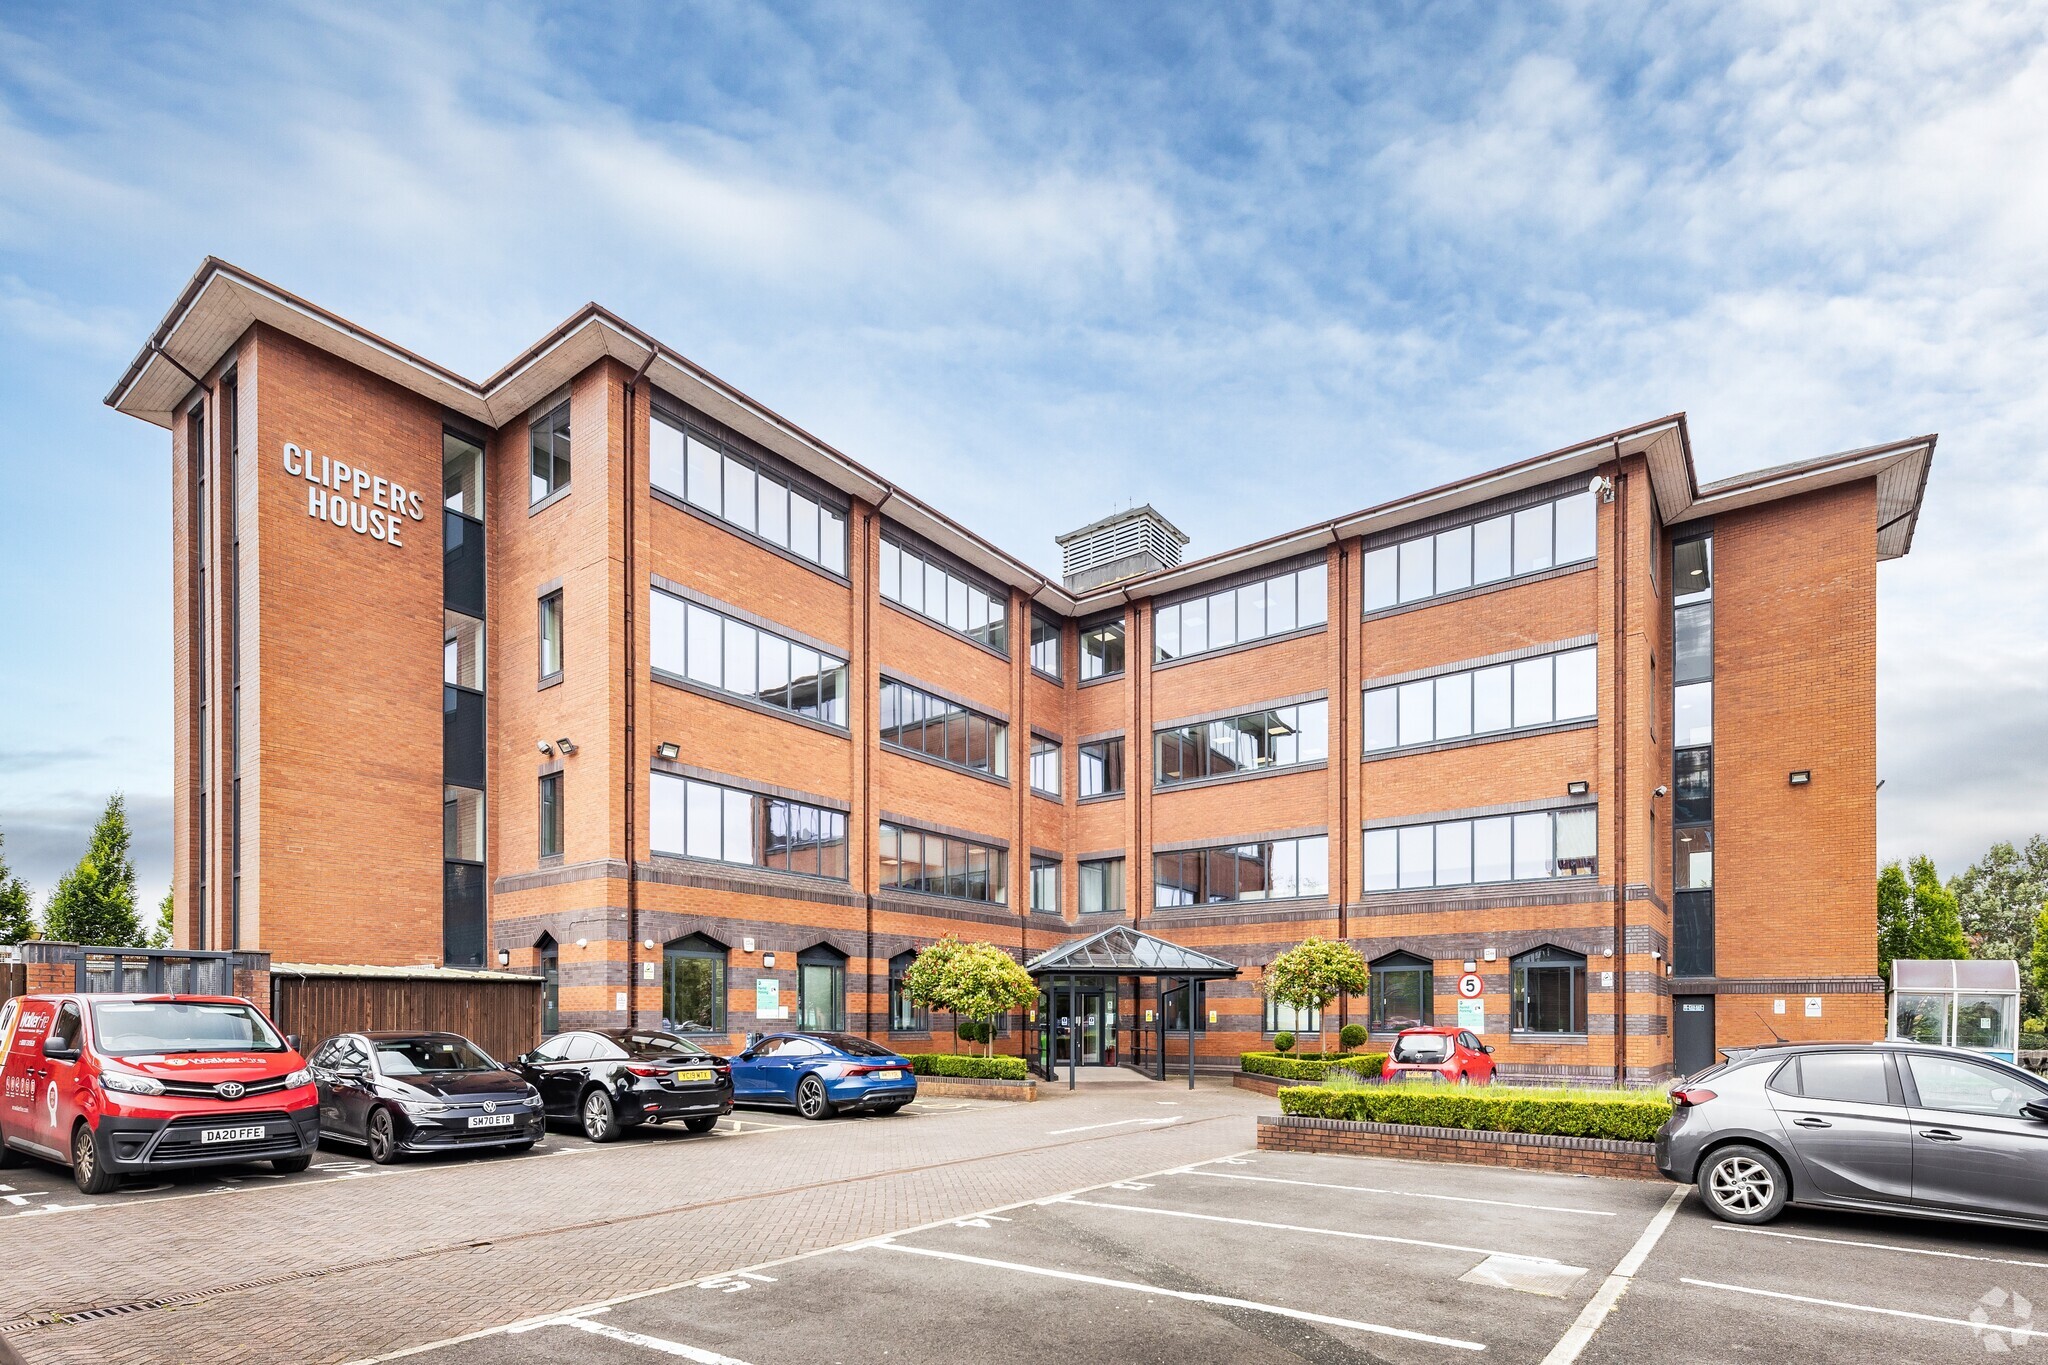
x=1138 y=541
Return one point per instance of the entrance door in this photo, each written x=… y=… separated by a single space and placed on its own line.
x=1692 y=1033
x=1088 y=1032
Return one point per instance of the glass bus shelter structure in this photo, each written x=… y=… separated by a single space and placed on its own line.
x=1964 y=1004
x=1081 y=990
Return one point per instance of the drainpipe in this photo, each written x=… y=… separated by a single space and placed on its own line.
x=632 y=748
x=1621 y=551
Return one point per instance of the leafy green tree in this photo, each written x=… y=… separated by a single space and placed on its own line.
x=1315 y=972
x=2000 y=897
x=95 y=901
x=1894 y=917
x=1937 y=928
x=2038 y=977
x=976 y=981
x=160 y=936
x=17 y=918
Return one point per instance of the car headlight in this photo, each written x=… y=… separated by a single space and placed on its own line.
x=426 y=1107
x=303 y=1076
x=131 y=1084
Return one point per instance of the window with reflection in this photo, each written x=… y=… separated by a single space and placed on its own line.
x=930 y=864
x=693 y=985
x=1102 y=649
x=691 y=818
x=1483 y=701
x=1102 y=886
x=1102 y=767
x=1045 y=767
x=1283 y=737
x=1275 y=606
x=1045 y=645
x=1491 y=551
x=905 y=1014
x=1274 y=869
x=1403 y=993
x=1045 y=885
x=1548 y=989
x=714 y=650
x=915 y=720
x=916 y=581
x=1499 y=848
x=550 y=443
x=724 y=481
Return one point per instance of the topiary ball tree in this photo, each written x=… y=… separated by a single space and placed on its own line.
x=1283 y=1041
x=1351 y=1036
x=1315 y=972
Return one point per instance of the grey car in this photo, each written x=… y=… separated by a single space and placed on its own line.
x=1893 y=1127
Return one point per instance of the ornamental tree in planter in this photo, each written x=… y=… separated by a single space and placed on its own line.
x=1315 y=972
x=975 y=981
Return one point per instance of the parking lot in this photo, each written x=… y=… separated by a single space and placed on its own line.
x=1130 y=1224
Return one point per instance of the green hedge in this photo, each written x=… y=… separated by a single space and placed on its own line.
x=2034 y=1042
x=1311 y=1066
x=1625 y=1116
x=971 y=1068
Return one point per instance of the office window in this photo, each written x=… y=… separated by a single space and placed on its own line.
x=1045 y=885
x=1693 y=643
x=1538 y=845
x=710 y=648
x=1693 y=858
x=1102 y=649
x=689 y=818
x=915 y=720
x=1692 y=570
x=1483 y=701
x=1692 y=785
x=1288 y=602
x=905 y=1014
x=1102 y=886
x=942 y=865
x=1280 y=869
x=944 y=597
x=1403 y=993
x=821 y=990
x=551 y=815
x=1180 y=1003
x=462 y=476
x=550 y=436
x=1045 y=645
x=1549 y=991
x=1045 y=767
x=462 y=651
x=1490 y=551
x=1283 y=737
x=462 y=825
x=693 y=985
x=1692 y=714
x=1102 y=767
x=550 y=634
x=743 y=493
x=1292 y=1018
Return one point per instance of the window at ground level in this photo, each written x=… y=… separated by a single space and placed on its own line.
x=905 y=1014
x=1292 y=1019
x=1403 y=993
x=1549 y=991
x=1499 y=848
x=942 y=865
x=1275 y=606
x=691 y=818
x=1277 y=869
x=821 y=990
x=693 y=985
x=1179 y=1002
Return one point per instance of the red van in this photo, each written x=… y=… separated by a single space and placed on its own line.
x=118 y=1084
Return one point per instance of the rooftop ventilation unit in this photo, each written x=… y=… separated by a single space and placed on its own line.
x=1125 y=545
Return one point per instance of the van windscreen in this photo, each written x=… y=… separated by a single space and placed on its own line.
x=125 y=1028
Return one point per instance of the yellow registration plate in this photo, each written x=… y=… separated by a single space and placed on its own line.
x=693 y=1075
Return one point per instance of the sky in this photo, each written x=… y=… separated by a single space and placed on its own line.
x=1254 y=264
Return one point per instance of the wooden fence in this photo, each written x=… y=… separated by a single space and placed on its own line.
x=13 y=980
x=498 y=1012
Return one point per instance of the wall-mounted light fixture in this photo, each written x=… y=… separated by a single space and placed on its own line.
x=668 y=752
x=582 y=943
x=647 y=943
x=1575 y=789
x=746 y=945
x=504 y=957
x=546 y=747
x=768 y=960
x=566 y=747
x=1801 y=777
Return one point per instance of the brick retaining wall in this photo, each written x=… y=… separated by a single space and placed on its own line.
x=1525 y=1151
x=968 y=1088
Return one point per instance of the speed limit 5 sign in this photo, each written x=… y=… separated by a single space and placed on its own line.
x=1470 y=986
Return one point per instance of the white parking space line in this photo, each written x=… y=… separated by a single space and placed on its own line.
x=1321 y=1232
x=1979 y=1328
x=1883 y=1246
x=1185 y=1295
x=1580 y=1333
x=1401 y=1194
x=659 y=1345
x=1120 y=1123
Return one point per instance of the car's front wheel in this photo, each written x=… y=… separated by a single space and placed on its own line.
x=1744 y=1184
x=291 y=1165
x=600 y=1118
x=382 y=1138
x=86 y=1167
x=811 y=1100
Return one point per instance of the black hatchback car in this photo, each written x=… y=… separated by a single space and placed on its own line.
x=396 y=1093
x=609 y=1080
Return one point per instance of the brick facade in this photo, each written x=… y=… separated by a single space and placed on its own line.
x=342 y=759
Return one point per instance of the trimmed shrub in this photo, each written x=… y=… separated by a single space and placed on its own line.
x=1351 y=1036
x=968 y=1068
x=1283 y=1041
x=2034 y=1042
x=1311 y=1066
x=1625 y=1116
x=973 y=1030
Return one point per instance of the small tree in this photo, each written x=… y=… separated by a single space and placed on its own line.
x=95 y=901
x=1894 y=918
x=1351 y=1036
x=160 y=936
x=1937 y=928
x=976 y=981
x=1283 y=1041
x=2040 y=956
x=17 y=919
x=1314 y=972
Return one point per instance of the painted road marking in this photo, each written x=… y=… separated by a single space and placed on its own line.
x=1884 y=1246
x=1186 y=1296
x=1580 y=1333
x=1550 y=1279
x=660 y=1345
x=1402 y=1194
x=1321 y=1232
x=1975 y=1327
x=1091 y=1127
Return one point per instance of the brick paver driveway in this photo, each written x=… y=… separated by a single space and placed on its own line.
x=351 y=1260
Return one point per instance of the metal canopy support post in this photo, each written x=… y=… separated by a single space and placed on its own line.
x=1073 y=1034
x=1159 y=989
x=1192 y=1021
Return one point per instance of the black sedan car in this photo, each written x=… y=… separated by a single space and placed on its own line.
x=609 y=1080
x=394 y=1093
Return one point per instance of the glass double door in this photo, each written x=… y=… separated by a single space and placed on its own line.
x=1082 y=1025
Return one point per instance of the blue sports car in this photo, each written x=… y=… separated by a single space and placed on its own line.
x=819 y=1073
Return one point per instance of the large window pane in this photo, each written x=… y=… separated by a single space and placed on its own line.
x=1578 y=837
x=704 y=816
x=1491 y=557
x=739 y=493
x=832 y=539
x=1418 y=712
x=774 y=499
x=1577 y=690
x=1382 y=859
x=706 y=662
x=1166 y=633
x=1418 y=856
x=739 y=842
x=804 y=515
x=1692 y=785
x=1693 y=643
x=1533 y=700
x=1312 y=720
x=1454 y=853
x=1493 y=849
x=1382 y=578
x=1534 y=849
x=1692 y=715
x=1283 y=604
x=706 y=487
x=1381 y=718
x=1251 y=612
x=1418 y=569
x=665 y=814
x=665 y=457
x=1194 y=626
x=1313 y=587
x=1454 y=706
x=1223 y=620
x=1532 y=539
x=1693 y=863
x=1692 y=570
x=667 y=626
x=1575 y=532
x=1492 y=691
x=1313 y=856
x=1454 y=559
x=739 y=658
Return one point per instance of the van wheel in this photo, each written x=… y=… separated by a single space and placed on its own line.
x=600 y=1119
x=291 y=1165
x=382 y=1138
x=86 y=1168
x=1743 y=1184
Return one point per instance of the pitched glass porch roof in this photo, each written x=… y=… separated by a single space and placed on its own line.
x=1123 y=951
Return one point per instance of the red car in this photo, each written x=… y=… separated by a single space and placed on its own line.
x=114 y=1084
x=1439 y=1054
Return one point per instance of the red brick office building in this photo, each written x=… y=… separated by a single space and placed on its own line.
x=601 y=669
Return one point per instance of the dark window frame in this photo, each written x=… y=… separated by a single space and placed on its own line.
x=1109 y=755
x=549 y=609
x=552 y=816
x=1400 y=962
x=905 y=1014
x=1547 y=958
x=556 y=478
x=696 y=947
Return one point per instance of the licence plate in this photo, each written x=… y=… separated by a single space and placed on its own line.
x=491 y=1120
x=693 y=1075
x=888 y=1075
x=231 y=1135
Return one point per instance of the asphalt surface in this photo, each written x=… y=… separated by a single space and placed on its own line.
x=1129 y=1223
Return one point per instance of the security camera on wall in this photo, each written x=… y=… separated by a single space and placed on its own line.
x=1601 y=487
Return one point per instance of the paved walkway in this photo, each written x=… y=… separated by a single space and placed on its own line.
x=351 y=1260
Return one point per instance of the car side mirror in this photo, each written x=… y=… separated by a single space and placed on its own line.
x=2038 y=1109
x=1486 y=1048
x=291 y=1040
